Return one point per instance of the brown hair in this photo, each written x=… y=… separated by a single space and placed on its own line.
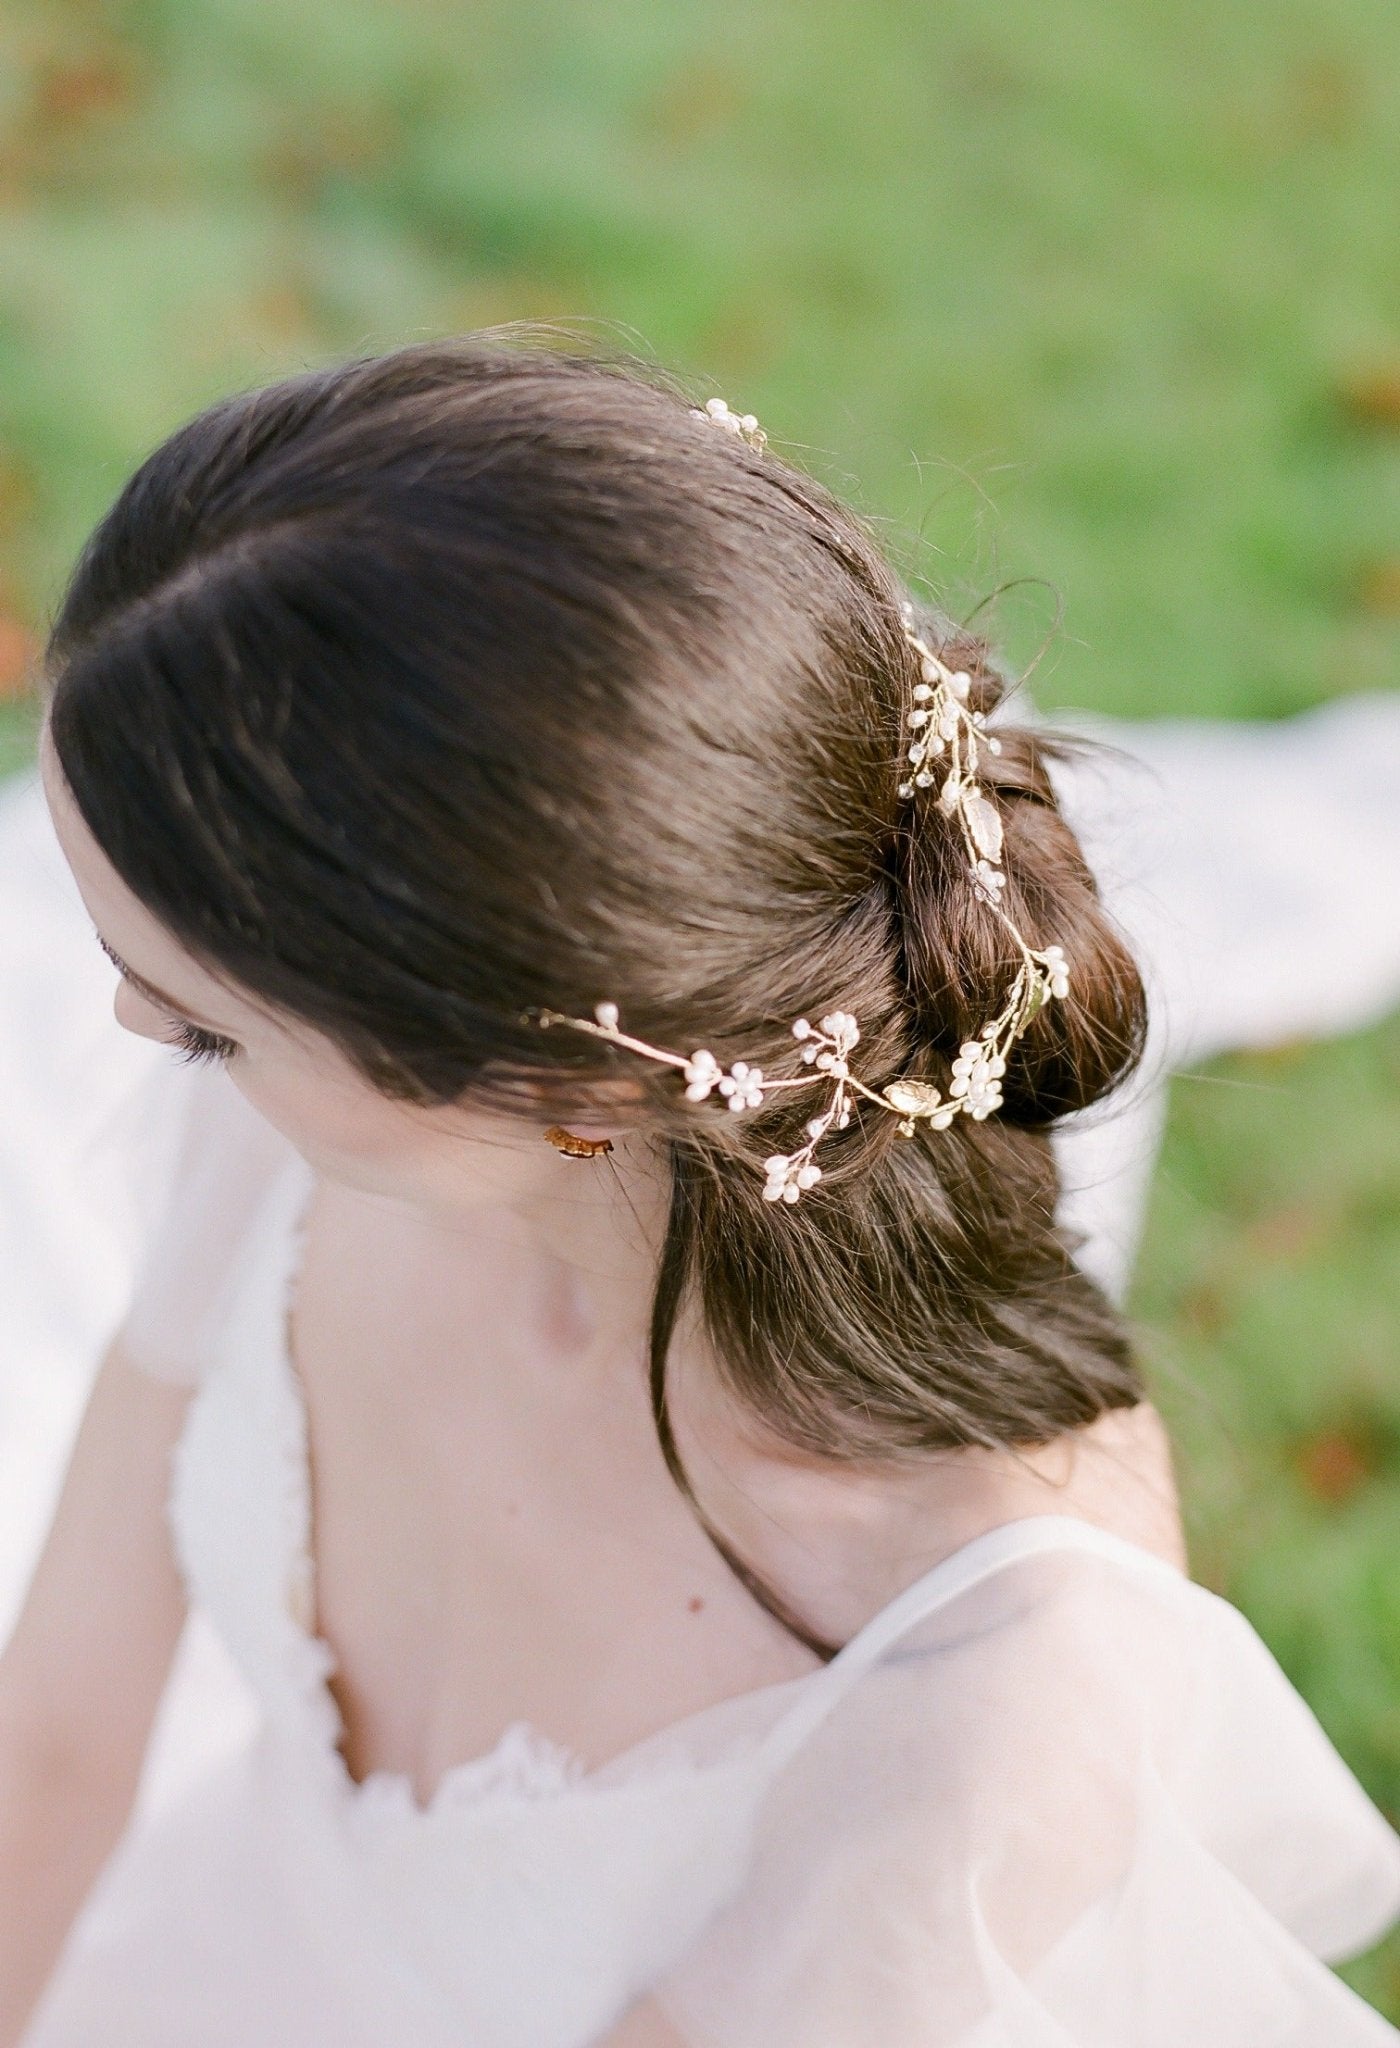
x=422 y=692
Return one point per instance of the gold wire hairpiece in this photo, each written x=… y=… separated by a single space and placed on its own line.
x=941 y=729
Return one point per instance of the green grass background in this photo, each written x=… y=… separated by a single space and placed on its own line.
x=1095 y=302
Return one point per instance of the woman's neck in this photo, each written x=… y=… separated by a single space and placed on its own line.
x=548 y=1295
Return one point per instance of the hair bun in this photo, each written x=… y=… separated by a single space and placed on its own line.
x=957 y=953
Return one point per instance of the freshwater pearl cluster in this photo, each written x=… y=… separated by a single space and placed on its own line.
x=943 y=738
x=741 y=423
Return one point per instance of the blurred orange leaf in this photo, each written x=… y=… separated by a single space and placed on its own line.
x=344 y=142
x=1334 y=1464
x=78 y=89
x=17 y=651
x=1372 y=396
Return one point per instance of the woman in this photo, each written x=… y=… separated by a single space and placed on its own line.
x=694 y=1533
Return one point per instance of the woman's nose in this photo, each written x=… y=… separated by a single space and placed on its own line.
x=134 y=1013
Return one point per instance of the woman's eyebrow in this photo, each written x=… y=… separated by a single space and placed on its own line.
x=150 y=992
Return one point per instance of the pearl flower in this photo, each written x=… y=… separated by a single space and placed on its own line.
x=841 y=1027
x=742 y=423
x=988 y=881
x=718 y=410
x=976 y=1078
x=1057 y=968
x=701 y=1075
x=788 y=1176
x=743 y=1085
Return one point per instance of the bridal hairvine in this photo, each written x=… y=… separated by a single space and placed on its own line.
x=941 y=730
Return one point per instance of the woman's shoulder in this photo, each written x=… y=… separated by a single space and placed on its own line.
x=1115 y=1474
x=845 y=1541
x=1057 y=1791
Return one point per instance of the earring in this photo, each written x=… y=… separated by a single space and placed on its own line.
x=573 y=1146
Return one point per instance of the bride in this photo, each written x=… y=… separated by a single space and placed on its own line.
x=616 y=1503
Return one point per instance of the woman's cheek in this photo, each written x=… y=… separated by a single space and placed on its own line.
x=349 y=1132
x=322 y=1120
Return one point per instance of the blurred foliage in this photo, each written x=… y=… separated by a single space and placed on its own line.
x=1269 y=1300
x=1093 y=299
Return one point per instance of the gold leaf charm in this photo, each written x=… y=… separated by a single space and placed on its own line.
x=1037 y=996
x=912 y=1098
x=984 y=823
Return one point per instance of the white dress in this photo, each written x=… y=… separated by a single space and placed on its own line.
x=1053 y=1796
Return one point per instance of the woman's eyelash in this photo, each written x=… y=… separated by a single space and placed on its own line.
x=193 y=1043
x=200 y=1045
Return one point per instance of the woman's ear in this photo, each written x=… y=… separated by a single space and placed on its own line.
x=614 y=1107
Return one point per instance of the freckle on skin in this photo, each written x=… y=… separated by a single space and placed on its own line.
x=695 y=1603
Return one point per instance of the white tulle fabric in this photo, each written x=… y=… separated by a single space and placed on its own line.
x=1054 y=1796
x=1054 y=1793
